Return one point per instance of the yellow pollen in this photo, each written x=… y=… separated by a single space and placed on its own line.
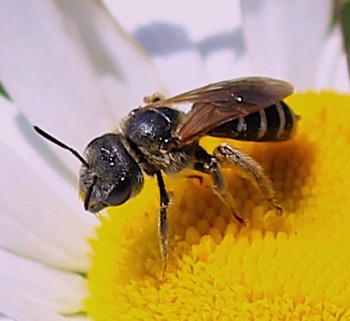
x=289 y=267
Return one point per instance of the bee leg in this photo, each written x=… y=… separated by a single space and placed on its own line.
x=163 y=223
x=208 y=164
x=249 y=169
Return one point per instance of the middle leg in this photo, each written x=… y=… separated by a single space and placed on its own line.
x=208 y=164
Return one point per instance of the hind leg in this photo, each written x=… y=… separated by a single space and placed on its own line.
x=249 y=169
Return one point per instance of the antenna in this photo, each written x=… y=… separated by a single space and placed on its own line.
x=64 y=146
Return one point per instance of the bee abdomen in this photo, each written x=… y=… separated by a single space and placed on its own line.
x=274 y=123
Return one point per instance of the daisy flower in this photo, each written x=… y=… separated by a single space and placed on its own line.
x=71 y=69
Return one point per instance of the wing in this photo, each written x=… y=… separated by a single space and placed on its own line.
x=221 y=102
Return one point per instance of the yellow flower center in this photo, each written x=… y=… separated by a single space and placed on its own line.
x=289 y=267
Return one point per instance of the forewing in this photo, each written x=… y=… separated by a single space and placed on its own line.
x=221 y=102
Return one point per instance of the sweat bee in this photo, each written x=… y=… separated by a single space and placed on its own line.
x=158 y=138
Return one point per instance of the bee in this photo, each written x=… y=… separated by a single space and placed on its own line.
x=158 y=138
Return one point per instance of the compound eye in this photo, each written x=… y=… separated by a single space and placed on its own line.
x=120 y=193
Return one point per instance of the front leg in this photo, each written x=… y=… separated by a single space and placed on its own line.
x=163 y=223
x=249 y=169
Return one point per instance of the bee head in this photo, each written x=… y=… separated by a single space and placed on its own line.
x=109 y=175
x=112 y=175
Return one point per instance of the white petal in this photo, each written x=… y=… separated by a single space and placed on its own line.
x=199 y=18
x=19 y=309
x=332 y=71
x=122 y=68
x=284 y=37
x=56 y=291
x=17 y=134
x=54 y=65
x=38 y=219
x=5 y=318
x=229 y=63
x=46 y=72
x=35 y=222
x=192 y=43
x=181 y=71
